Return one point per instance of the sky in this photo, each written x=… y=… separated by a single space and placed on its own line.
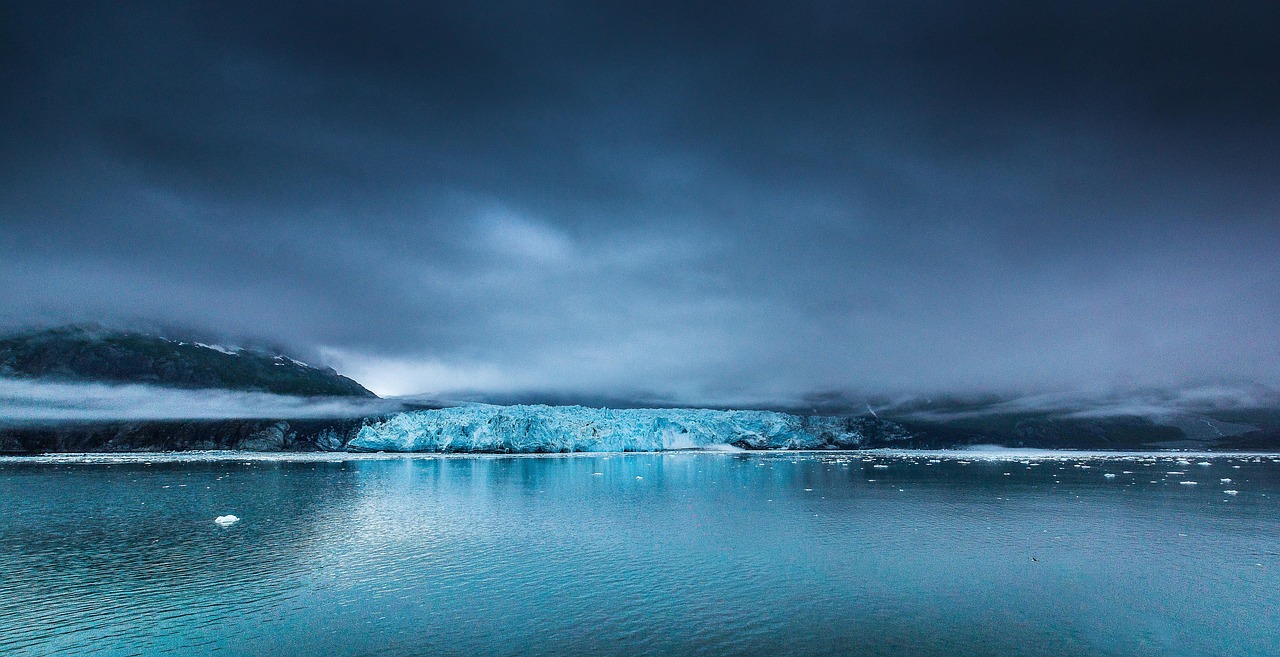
x=698 y=201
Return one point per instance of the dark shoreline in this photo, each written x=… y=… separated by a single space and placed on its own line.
x=334 y=434
x=258 y=435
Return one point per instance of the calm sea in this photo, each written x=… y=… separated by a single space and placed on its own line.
x=643 y=554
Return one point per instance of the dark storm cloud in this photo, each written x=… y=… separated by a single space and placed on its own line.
x=745 y=201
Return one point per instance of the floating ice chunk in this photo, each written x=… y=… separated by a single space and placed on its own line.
x=1204 y=463
x=1225 y=480
x=1189 y=483
x=878 y=465
x=225 y=521
x=1231 y=492
x=1109 y=475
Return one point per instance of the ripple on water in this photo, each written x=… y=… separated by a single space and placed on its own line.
x=794 y=553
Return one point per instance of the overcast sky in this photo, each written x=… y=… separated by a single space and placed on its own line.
x=753 y=200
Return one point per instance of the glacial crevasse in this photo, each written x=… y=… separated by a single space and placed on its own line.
x=537 y=428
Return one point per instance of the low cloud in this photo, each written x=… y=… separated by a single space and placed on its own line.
x=27 y=402
x=1152 y=404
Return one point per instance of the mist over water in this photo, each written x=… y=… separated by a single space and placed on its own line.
x=715 y=554
x=36 y=402
x=44 y=402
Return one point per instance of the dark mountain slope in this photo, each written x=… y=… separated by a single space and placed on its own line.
x=80 y=353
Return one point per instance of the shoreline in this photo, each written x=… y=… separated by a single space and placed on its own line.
x=983 y=455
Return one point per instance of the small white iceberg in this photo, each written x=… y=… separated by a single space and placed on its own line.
x=1188 y=483
x=225 y=521
x=1231 y=492
x=1109 y=475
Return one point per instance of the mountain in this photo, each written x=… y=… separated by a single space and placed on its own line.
x=1215 y=418
x=90 y=353
x=197 y=375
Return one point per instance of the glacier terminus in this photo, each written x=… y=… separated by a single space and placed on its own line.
x=549 y=429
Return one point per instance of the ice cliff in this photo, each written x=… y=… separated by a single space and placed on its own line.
x=533 y=429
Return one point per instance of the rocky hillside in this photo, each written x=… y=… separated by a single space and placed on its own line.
x=180 y=435
x=80 y=353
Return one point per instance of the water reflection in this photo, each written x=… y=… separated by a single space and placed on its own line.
x=678 y=553
x=99 y=555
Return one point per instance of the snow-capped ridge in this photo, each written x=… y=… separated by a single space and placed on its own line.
x=230 y=351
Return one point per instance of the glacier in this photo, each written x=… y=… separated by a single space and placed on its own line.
x=543 y=429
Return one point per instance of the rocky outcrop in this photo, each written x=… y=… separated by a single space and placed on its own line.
x=161 y=436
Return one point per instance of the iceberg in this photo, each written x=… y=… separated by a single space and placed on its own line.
x=543 y=429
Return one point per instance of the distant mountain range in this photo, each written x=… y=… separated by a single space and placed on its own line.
x=1236 y=417
x=1206 y=418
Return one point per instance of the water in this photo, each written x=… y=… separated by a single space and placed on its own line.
x=642 y=554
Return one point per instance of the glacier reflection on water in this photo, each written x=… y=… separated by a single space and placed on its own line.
x=819 y=553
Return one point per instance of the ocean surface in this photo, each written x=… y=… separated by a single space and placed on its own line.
x=678 y=553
